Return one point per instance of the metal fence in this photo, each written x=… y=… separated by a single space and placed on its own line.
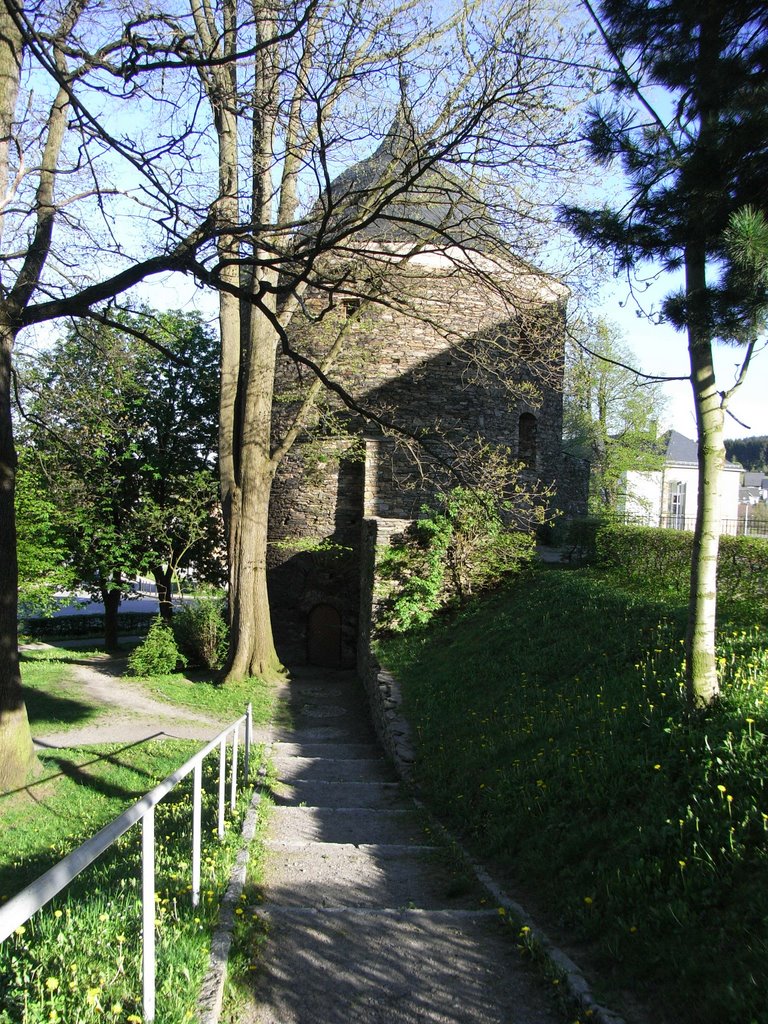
x=733 y=527
x=26 y=903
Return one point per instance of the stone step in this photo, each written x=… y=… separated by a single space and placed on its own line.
x=337 y=751
x=320 y=793
x=363 y=966
x=332 y=769
x=329 y=875
x=359 y=826
x=341 y=731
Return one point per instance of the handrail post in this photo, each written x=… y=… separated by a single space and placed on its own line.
x=233 y=788
x=222 y=782
x=148 y=913
x=248 y=734
x=197 y=786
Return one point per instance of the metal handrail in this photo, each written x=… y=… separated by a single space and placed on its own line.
x=21 y=907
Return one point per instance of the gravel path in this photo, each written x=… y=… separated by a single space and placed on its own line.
x=129 y=715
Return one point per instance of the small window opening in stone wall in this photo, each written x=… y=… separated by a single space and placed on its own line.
x=350 y=304
x=324 y=636
x=526 y=440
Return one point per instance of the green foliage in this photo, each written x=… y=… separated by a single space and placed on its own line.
x=126 y=438
x=751 y=452
x=411 y=575
x=659 y=561
x=157 y=654
x=462 y=546
x=610 y=414
x=552 y=731
x=40 y=542
x=201 y=631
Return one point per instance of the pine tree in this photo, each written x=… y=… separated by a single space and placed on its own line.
x=689 y=124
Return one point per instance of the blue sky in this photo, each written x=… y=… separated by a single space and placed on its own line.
x=660 y=349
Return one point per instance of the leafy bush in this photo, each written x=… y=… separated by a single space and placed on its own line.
x=201 y=629
x=661 y=560
x=461 y=547
x=158 y=654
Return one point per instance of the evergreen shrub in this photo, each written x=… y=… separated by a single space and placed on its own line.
x=158 y=654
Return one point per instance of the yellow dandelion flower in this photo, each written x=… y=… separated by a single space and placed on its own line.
x=588 y=900
x=51 y=984
x=20 y=930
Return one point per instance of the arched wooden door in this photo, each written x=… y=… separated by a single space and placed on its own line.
x=324 y=636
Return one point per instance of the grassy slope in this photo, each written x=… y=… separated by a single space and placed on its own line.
x=551 y=731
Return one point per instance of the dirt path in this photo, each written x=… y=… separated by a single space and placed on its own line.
x=129 y=715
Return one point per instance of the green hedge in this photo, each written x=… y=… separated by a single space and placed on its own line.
x=662 y=559
x=72 y=626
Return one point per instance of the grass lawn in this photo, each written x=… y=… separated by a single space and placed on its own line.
x=55 y=701
x=552 y=732
x=198 y=692
x=79 y=959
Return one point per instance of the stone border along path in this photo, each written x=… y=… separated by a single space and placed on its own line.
x=370 y=917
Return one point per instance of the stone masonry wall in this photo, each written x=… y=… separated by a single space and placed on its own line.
x=455 y=383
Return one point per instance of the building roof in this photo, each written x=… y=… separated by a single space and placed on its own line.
x=437 y=208
x=681 y=449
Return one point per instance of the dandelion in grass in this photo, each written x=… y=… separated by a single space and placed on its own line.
x=92 y=998
x=51 y=984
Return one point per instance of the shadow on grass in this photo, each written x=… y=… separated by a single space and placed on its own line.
x=45 y=707
x=13 y=877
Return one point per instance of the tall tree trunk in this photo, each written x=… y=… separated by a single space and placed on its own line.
x=111 y=598
x=701 y=664
x=252 y=649
x=16 y=750
x=164 y=582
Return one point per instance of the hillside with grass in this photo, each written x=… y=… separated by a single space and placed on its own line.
x=552 y=733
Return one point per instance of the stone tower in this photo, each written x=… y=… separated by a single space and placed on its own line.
x=460 y=347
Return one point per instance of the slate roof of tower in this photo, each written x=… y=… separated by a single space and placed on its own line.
x=436 y=209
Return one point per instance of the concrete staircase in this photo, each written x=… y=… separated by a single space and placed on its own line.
x=369 y=918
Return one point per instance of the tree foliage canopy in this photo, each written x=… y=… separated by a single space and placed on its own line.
x=611 y=414
x=126 y=435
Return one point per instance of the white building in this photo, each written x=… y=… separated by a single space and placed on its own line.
x=667 y=497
